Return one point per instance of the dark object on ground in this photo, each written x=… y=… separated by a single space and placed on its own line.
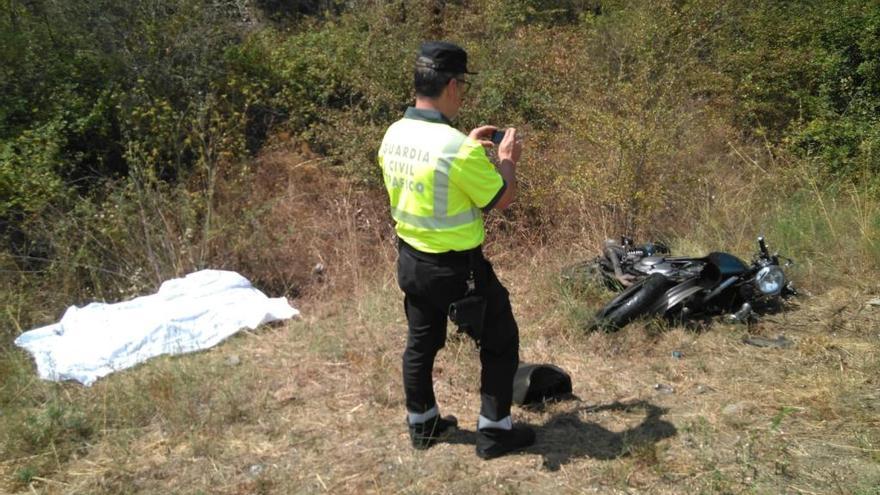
x=535 y=383
x=495 y=442
x=779 y=342
x=682 y=288
x=424 y=435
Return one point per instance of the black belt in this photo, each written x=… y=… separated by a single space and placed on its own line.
x=447 y=258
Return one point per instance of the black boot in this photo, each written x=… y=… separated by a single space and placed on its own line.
x=495 y=442
x=424 y=435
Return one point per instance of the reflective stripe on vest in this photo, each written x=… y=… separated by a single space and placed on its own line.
x=440 y=219
x=435 y=222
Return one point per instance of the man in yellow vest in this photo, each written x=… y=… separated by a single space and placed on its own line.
x=440 y=181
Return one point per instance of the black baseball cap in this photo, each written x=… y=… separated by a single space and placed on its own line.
x=443 y=56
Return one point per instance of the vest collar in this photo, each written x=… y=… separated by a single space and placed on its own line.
x=426 y=115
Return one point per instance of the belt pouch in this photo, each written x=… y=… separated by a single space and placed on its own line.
x=469 y=312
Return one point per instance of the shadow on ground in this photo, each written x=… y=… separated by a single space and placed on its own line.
x=566 y=436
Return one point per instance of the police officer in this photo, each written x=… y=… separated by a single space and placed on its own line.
x=440 y=181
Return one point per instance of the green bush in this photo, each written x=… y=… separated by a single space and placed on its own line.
x=120 y=120
x=129 y=130
x=806 y=73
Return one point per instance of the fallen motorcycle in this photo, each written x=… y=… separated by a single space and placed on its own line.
x=683 y=288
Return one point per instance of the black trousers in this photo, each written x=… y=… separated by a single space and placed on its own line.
x=430 y=283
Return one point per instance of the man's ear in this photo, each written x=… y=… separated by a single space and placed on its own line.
x=445 y=93
x=448 y=87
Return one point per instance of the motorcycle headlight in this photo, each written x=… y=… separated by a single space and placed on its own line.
x=770 y=280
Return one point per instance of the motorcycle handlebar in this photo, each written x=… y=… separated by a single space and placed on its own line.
x=763 y=246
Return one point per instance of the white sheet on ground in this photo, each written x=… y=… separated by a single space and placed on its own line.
x=187 y=314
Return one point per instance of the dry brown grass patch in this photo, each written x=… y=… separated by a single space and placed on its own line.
x=323 y=411
x=306 y=229
x=316 y=405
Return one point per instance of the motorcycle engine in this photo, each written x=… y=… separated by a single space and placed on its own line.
x=653 y=264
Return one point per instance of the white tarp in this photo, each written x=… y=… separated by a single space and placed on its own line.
x=187 y=314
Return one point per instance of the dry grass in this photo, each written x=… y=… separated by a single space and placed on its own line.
x=299 y=217
x=315 y=406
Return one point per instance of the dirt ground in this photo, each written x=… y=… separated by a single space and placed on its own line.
x=315 y=406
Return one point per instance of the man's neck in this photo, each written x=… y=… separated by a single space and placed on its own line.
x=423 y=103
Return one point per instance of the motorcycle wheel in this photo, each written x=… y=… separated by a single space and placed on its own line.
x=632 y=303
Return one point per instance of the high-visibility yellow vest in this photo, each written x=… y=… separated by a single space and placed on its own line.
x=438 y=180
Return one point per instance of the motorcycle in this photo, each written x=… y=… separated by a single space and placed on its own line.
x=682 y=288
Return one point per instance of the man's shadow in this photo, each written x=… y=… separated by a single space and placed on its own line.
x=566 y=436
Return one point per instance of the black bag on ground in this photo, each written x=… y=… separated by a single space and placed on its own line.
x=535 y=383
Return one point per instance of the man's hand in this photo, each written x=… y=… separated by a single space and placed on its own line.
x=510 y=147
x=508 y=155
x=483 y=134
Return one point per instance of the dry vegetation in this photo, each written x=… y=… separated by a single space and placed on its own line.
x=315 y=406
x=692 y=121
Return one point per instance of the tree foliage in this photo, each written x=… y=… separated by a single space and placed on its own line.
x=807 y=74
x=103 y=102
